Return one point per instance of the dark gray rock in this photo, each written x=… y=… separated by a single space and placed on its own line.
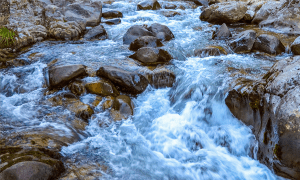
x=243 y=42
x=102 y=87
x=96 y=33
x=271 y=107
x=135 y=32
x=122 y=108
x=145 y=41
x=268 y=44
x=210 y=51
x=161 y=78
x=151 y=56
x=113 y=21
x=149 y=5
x=126 y=81
x=226 y=12
x=112 y=14
x=4 y=12
x=162 y=32
x=222 y=32
x=295 y=46
x=59 y=76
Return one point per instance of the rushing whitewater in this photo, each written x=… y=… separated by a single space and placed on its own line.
x=184 y=132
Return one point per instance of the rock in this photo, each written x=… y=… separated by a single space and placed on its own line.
x=222 y=32
x=96 y=33
x=77 y=88
x=148 y=5
x=162 y=32
x=270 y=105
x=59 y=76
x=270 y=7
x=170 y=6
x=145 y=41
x=80 y=109
x=243 y=42
x=161 y=78
x=226 y=12
x=102 y=87
x=210 y=51
x=249 y=15
x=122 y=108
x=113 y=21
x=4 y=12
x=170 y=13
x=108 y=103
x=135 y=32
x=268 y=44
x=112 y=14
x=126 y=81
x=85 y=11
x=28 y=163
x=295 y=46
x=66 y=30
x=150 y=56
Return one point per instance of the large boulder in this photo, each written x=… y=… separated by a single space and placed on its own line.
x=29 y=163
x=266 y=10
x=268 y=44
x=96 y=33
x=4 y=12
x=126 y=81
x=148 y=5
x=295 y=46
x=122 y=108
x=162 y=32
x=271 y=107
x=58 y=76
x=145 y=41
x=210 y=51
x=135 y=32
x=222 y=32
x=102 y=87
x=243 y=42
x=151 y=56
x=227 y=12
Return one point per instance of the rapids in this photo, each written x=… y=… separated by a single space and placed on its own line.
x=184 y=132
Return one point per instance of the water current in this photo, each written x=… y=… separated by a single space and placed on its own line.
x=184 y=132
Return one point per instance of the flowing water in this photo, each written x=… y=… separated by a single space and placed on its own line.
x=184 y=132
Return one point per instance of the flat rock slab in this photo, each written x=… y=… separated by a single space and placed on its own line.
x=126 y=81
x=59 y=76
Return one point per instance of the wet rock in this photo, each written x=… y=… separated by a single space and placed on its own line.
x=122 y=108
x=268 y=44
x=59 y=76
x=161 y=78
x=80 y=109
x=150 y=56
x=243 y=42
x=270 y=106
x=102 y=87
x=145 y=41
x=135 y=32
x=210 y=51
x=226 y=12
x=113 y=21
x=126 y=81
x=249 y=15
x=66 y=30
x=170 y=6
x=77 y=88
x=222 y=32
x=4 y=12
x=19 y=163
x=97 y=101
x=295 y=46
x=170 y=13
x=148 y=5
x=108 y=102
x=112 y=14
x=96 y=33
x=162 y=32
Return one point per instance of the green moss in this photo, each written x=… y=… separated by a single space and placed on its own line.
x=7 y=37
x=277 y=151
